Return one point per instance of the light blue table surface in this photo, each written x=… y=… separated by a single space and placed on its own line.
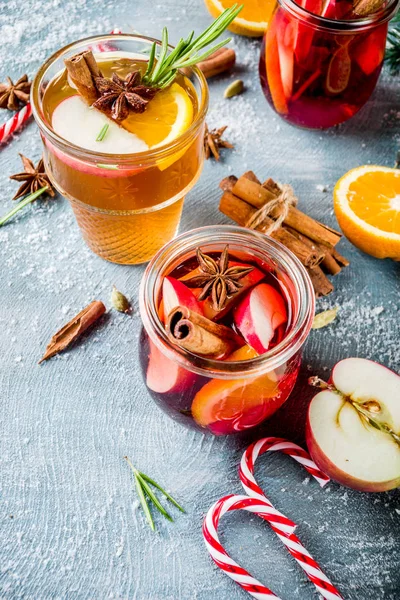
x=71 y=526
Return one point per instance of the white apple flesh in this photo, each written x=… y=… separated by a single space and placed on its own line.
x=341 y=442
x=81 y=124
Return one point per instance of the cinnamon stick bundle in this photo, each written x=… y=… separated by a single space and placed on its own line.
x=199 y=335
x=83 y=69
x=311 y=241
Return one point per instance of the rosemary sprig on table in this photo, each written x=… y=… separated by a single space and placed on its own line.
x=145 y=493
x=162 y=67
x=392 y=57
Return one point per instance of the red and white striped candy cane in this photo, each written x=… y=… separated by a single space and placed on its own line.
x=15 y=122
x=218 y=553
x=291 y=541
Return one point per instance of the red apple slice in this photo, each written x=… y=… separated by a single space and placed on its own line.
x=164 y=376
x=340 y=437
x=286 y=35
x=369 y=54
x=80 y=124
x=228 y=406
x=305 y=33
x=259 y=314
x=175 y=293
x=246 y=282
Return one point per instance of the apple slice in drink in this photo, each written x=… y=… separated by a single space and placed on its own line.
x=246 y=282
x=175 y=293
x=261 y=312
x=273 y=70
x=80 y=125
x=353 y=426
x=228 y=406
x=370 y=52
x=305 y=33
x=165 y=376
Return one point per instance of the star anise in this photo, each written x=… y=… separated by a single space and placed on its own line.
x=119 y=96
x=220 y=281
x=213 y=141
x=13 y=95
x=33 y=178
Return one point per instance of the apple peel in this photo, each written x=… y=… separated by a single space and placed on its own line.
x=259 y=314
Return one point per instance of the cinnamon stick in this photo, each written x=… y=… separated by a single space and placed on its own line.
x=83 y=69
x=363 y=8
x=321 y=283
x=220 y=61
x=257 y=195
x=329 y=262
x=72 y=330
x=241 y=212
x=199 y=335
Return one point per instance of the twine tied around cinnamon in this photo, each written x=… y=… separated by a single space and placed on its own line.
x=283 y=202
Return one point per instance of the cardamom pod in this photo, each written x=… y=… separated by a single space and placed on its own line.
x=234 y=89
x=323 y=319
x=119 y=301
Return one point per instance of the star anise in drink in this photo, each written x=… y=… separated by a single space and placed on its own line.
x=33 y=178
x=120 y=96
x=219 y=280
x=13 y=95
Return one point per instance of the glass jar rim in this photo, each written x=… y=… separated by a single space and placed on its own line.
x=157 y=153
x=342 y=26
x=221 y=235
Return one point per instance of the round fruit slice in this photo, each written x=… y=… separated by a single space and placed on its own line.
x=254 y=16
x=168 y=115
x=339 y=69
x=227 y=406
x=367 y=207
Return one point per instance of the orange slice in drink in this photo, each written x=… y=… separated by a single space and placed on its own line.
x=226 y=406
x=166 y=117
x=253 y=18
x=339 y=70
x=367 y=207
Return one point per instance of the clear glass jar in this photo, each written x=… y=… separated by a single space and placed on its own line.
x=127 y=206
x=318 y=71
x=213 y=395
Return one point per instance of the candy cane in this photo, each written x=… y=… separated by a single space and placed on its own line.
x=15 y=122
x=291 y=541
x=218 y=552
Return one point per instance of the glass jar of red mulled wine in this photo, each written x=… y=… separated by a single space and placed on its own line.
x=320 y=60
x=225 y=312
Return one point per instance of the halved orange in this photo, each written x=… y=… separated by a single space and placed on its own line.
x=367 y=207
x=226 y=406
x=253 y=18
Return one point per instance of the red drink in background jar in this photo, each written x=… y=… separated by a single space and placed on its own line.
x=225 y=313
x=320 y=62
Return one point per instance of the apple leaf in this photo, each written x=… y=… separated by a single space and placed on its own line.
x=323 y=319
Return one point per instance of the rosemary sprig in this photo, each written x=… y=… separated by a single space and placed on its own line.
x=21 y=204
x=162 y=68
x=145 y=493
x=102 y=133
x=392 y=57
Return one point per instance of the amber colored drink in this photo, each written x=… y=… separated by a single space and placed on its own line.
x=127 y=205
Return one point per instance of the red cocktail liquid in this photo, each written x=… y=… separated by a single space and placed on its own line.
x=224 y=405
x=317 y=77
